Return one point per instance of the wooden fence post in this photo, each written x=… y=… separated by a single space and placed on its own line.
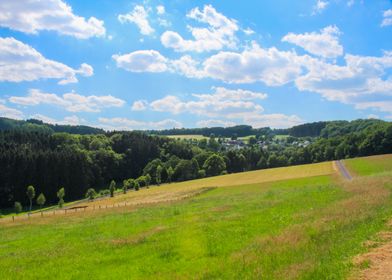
x=13 y=218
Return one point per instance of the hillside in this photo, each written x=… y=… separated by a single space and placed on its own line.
x=303 y=222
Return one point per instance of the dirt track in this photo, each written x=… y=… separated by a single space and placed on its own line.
x=343 y=170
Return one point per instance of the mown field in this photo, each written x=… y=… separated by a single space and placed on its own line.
x=301 y=222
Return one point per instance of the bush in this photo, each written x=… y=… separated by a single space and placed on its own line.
x=104 y=192
x=91 y=194
x=18 y=207
x=201 y=173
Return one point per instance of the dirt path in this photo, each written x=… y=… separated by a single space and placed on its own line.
x=343 y=170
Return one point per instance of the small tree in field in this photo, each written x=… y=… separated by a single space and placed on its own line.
x=170 y=173
x=41 y=200
x=91 y=194
x=60 y=196
x=137 y=186
x=112 y=188
x=131 y=183
x=18 y=207
x=125 y=186
x=30 y=194
x=147 y=179
x=158 y=175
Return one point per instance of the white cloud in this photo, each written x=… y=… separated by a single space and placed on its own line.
x=361 y=76
x=10 y=113
x=55 y=15
x=319 y=7
x=68 y=120
x=273 y=120
x=373 y=116
x=142 y=61
x=138 y=16
x=382 y=106
x=220 y=32
x=271 y=66
x=387 y=18
x=324 y=44
x=160 y=9
x=128 y=124
x=222 y=103
x=248 y=31
x=139 y=105
x=20 y=62
x=215 y=123
x=72 y=102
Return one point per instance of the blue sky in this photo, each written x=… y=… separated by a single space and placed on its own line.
x=163 y=64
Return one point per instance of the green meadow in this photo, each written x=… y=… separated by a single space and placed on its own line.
x=302 y=228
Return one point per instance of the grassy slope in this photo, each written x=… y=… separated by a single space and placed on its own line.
x=370 y=165
x=305 y=228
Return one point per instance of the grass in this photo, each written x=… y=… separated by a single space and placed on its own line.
x=370 y=165
x=305 y=227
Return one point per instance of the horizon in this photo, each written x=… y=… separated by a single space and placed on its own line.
x=155 y=65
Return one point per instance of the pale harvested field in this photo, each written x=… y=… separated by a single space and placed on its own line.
x=175 y=191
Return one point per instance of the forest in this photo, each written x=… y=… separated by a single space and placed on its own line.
x=51 y=157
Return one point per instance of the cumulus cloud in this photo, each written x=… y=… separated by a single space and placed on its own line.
x=319 y=7
x=142 y=61
x=271 y=66
x=128 y=124
x=139 y=105
x=160 y=9
x=220 y=32
x=138 y=16
x=11 y=113
x=71 y=102
x=20 y=62
x=382 y=106
x=273 y=120
x=387 y=18
x=55 y=15
x=324 y=43
x=68 y=120
x=223 y=102
x=360 y=76
x=215 y=123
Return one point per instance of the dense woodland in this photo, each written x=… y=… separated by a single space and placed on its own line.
x=78 y=158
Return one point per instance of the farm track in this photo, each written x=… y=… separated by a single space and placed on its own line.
x=343 y=170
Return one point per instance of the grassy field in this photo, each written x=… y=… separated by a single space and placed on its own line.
x=255 y=225
x=370 y=165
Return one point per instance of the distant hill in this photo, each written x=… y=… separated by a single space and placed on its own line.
x=32 y=125
x=325 y=129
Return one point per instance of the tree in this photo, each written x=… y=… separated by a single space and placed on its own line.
x=112 y=188
x=170 y=173
x=18 y=207
x=137 y=186
x=158 y=175
x=141 y=181
x=41 y=199
x=131 y=183
x=125 y=186
x=91 y=194
x=60 y=196
x=30 y=194
x=214 y=165
x=147 y=179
